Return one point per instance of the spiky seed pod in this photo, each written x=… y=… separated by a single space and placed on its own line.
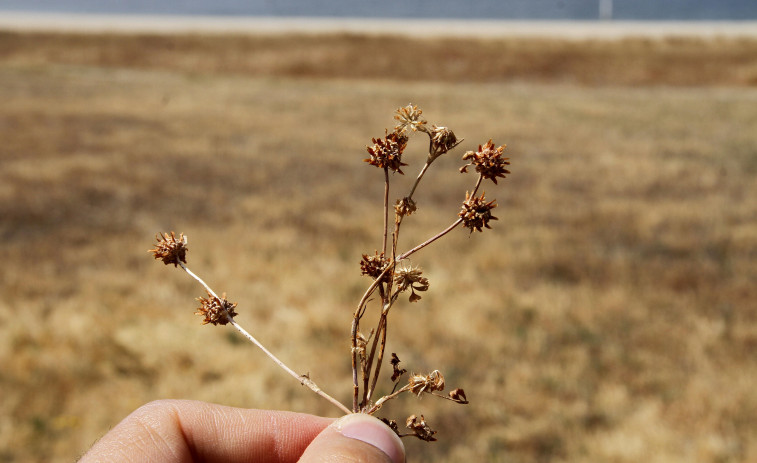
x=409 y=119
x=387 y=152
x=404 y=207
x=216 y=310
x=420 y=428
x=442 y=140
x=410 y=277
x=488 y=161
x=170 y=249
x=476 y=212
x=374 y=265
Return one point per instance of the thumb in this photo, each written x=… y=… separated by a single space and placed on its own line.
x=355 y=438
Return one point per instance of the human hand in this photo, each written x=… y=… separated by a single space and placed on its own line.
x=178 y=431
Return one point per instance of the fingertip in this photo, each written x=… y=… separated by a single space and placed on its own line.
x=372 y=431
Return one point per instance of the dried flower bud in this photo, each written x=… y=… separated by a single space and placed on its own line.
x=442 y=140
x=374 y=265
x=458 y=395
x=420 y=428
x=392 y=425
x=488 y=161
x=398 y=372
x=410 y=277
x=409 y=118
x=404 y=207
x=171 y=249
x=387 y=152
x=361 y=342
x=476 y=212
x=431 y=382
x=216 y=310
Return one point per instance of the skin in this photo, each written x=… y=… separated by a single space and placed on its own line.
x=175 y=431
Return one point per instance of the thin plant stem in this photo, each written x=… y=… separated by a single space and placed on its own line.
x=303 y=379
x=386 y=209
x=418 y=179
x=412 y=251
x=457 y=222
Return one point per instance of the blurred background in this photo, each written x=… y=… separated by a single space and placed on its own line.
x=609 y=315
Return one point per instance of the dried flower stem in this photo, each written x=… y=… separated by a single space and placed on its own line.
x=303 y=379
x=457 y=222
x=386 y=208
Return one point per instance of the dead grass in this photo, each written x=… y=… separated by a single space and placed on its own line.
x=632 y=61
x=616 y=318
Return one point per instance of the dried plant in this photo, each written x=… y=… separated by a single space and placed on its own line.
x=388 y=279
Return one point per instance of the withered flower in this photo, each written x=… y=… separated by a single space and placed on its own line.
x=396 y=367
x=431 y=382
x=374 y=265
x=387 y=152
x=392 y=425
x=170 y=249
x=476 y=212
x=442 y=140
x=216 y=310
x=410 y=118
x=404 y=207
x=410 y=277
x=488 y=161
x=458 y=395
x=420 y=428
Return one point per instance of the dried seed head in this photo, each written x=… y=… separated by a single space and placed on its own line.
x=410 y=277
x=374 y=265
x=387 y=152
x=409 y=119
x=488 y=161
x=170 y=249
x=216 y=310
x=420 y=428
x=431 y=382
x=404 y=207
x=442 y=140
x=476 y=212
x=458 y=395
x=398 y=372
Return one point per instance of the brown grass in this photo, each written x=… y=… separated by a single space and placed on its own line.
x=609 y=316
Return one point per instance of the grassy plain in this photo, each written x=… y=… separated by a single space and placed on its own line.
x=609 y=316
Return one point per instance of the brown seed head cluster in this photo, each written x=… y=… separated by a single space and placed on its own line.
x=420 y=428
x=387 y=152
x=409 y=118
x=442 y=140
x=374 y=265
x=170 y=249
x=404 y=207
x=216 y=310
x=410 y=277
x=488 y=161
x=431 y=382
x=476 y=212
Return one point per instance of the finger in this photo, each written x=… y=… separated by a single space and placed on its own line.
x=178 y=431
x=356 y=438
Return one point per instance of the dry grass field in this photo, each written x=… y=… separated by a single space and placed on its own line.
x=611 y=315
